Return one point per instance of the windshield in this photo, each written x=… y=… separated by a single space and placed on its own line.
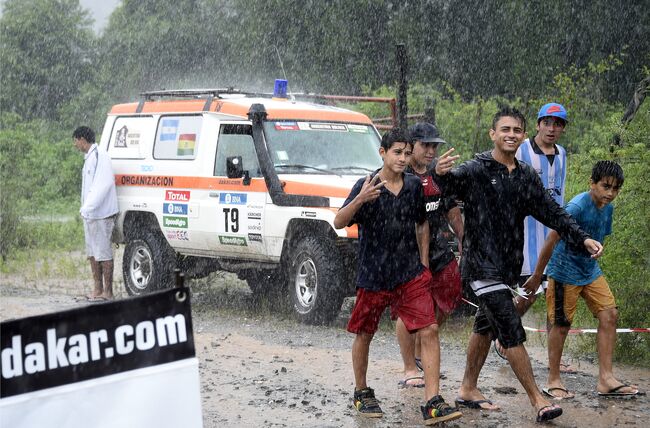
x=322 y=148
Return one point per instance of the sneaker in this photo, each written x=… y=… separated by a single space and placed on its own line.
x=436 y=410
x=366 y=403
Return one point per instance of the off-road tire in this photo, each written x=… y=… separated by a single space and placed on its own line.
x=314 y=280
x=148 y=263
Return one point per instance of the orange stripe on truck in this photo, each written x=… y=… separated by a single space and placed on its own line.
x=220 y=183
x=256 y=185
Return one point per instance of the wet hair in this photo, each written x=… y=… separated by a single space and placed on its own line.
x=85 y=133
x=507 y=111
x=396 y=135
x=604 y=169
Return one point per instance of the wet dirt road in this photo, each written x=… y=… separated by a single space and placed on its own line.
x=259 y=368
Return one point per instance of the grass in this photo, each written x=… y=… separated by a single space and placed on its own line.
x=42 y=248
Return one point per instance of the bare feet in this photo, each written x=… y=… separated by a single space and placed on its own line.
x=557 y=391
x=474 y=400
x=615 y=387
x=412 y=382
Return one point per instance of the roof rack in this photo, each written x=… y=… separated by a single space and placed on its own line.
x=210 y=94
x=198 y=93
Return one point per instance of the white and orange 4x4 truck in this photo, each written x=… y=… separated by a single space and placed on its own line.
x=223 y=180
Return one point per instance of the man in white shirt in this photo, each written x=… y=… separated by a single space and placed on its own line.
x=98 y=210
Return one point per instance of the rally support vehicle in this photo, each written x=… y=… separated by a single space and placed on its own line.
x=224 y=180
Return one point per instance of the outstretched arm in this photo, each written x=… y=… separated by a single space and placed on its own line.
x=370 y=191
x=532 y=284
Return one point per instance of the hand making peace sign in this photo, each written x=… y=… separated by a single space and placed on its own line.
x=370 y=189
x=446 y=162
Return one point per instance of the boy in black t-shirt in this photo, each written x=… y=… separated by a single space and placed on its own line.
x=442 y=212
x=388 y=207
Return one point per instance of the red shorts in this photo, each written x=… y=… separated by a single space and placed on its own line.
x=411 y=302
x=447 y=288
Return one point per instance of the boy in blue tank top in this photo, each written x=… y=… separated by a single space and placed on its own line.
x=573 y=273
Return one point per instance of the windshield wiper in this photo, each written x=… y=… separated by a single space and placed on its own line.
x=300 y=166
x=353 y=167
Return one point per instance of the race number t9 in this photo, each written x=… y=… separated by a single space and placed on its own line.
x=231 y=218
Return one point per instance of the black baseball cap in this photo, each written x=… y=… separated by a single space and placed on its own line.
x=425 y=133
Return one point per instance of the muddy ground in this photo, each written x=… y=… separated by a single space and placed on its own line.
x=259 y=368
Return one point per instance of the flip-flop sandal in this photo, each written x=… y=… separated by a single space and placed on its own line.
x=418 y=364
x=405 y=382
x=547 y=413
x=473 y=404
x=499 y=353
x=549 y=391
x=615 y=392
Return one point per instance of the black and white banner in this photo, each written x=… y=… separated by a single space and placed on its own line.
x=126 y=363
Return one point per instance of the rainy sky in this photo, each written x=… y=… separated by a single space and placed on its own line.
x=100 y=11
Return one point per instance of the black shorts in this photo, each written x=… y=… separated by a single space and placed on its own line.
x=498 y=317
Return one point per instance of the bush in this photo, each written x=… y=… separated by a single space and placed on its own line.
x=40 y=176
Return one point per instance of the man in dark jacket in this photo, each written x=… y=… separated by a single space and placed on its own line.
x=499 y=192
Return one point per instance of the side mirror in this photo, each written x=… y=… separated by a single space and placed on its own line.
x=234 y=168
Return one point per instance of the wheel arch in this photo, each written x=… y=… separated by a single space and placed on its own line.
x=135 y=221
x=299 y=227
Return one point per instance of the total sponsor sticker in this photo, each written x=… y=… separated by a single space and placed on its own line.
x=174 y=209
x=239 y=241
x=172 y=221
x=177 y=195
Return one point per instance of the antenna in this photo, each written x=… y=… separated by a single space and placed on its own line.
x=277 y=51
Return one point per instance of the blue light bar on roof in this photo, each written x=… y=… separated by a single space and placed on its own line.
x=280 y=89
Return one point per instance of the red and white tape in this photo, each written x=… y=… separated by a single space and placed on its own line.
x=591 y=330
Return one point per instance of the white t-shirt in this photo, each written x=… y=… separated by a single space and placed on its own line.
x=98 y=194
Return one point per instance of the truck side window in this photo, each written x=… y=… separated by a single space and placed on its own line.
x=131 y=137
x=177 y=137
x=236 y=140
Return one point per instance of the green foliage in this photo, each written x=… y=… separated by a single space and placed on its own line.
x=39 y=172
x=171 y=44
x=46 y=54
x=40 y=165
